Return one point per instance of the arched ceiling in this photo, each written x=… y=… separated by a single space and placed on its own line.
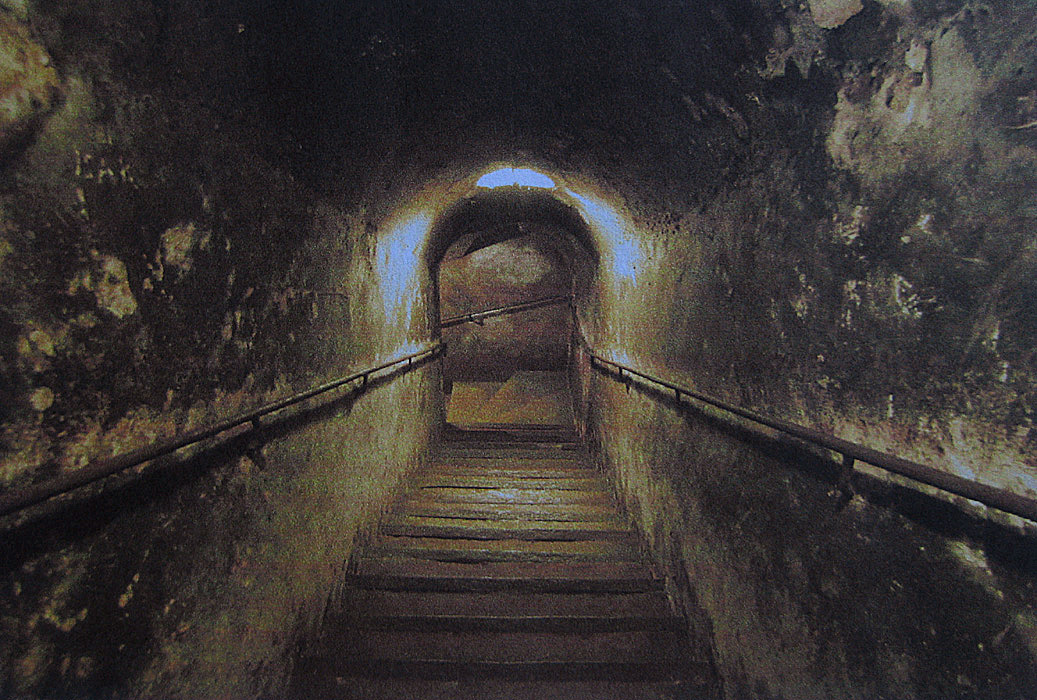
x=497 y=213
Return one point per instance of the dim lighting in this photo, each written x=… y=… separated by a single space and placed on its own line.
x=398 y=265
x=515 y=177
x=623 y=252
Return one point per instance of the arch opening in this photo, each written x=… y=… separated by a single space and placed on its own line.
x=508 y=242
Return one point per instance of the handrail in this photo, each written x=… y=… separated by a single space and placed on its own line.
x=19 y=499
x=501 y=310
x=1001 y=499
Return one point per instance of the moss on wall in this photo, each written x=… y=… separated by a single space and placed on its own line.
x=165 y=262
x=827 y=214
x=865 y=272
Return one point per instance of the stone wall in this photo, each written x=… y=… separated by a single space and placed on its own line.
x=167 y=259
x=513 y=271
x=865 y=268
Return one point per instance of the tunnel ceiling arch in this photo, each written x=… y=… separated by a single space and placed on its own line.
x=501 y=207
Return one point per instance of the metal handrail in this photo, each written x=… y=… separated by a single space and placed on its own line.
x=19 y=499
x=501 y=310
x=1001 y=499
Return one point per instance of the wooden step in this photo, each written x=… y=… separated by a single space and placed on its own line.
x=590 y=482
x=331 y=687
x=614 y=528
x=540 y=624
x=517 y=451
x=523 y=433
x=386 y=646
x=409 y=574
x=507 y=571
x=513 y=473
x=470 y=464
x=515 y=496
x=570 y=512
x=648 y=670
x=511 y=550
x=466 y=428
x=645 y=605
x=535 y=449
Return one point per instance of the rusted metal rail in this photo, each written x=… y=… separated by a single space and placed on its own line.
x=478 y=316
x=19 y=499
x=1001 y=499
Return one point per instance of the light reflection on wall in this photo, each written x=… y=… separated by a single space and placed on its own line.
x=621 y=356
x=515 y=177
x=400 y=267
x=621 y=251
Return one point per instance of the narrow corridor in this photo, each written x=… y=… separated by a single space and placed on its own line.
x=780 y=256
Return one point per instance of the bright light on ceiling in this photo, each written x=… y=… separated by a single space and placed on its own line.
x=515 y=177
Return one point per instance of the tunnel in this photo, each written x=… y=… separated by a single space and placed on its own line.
x=773 y=261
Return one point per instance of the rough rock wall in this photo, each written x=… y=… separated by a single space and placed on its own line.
x=168 y=258
x=865 y=267
x=514 y=271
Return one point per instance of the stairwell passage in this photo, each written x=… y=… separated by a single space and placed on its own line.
x=508 y=571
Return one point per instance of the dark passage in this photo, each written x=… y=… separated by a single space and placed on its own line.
x=245 y=251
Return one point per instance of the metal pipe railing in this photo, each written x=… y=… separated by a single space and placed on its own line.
x=1001 y=499
x=477 y=316
x=19 y=499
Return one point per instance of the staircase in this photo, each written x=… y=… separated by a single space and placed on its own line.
x=507 y=572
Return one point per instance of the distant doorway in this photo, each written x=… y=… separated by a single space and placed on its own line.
x=509 y=368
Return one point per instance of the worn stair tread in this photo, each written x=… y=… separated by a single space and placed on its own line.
x=504 y=443
x=506 y=453
x=528 y=435
x=486 y=464
x=454 y=428
x=641 y=671
x=508 y=571
x=647 y=605
x=571 y=512
x=591 y=482
x=532 y=471
x=448 y=494
x=406 y=573
x=555 y=624
x=510 y=647
x=470 y=550
x=432 y=668
x=486 y=529
x=356 y=688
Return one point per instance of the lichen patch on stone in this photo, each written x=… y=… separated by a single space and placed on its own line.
x=42 y=399
x=179 y=244
x=28 y=82
x=829 y=14
x=108 y=280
